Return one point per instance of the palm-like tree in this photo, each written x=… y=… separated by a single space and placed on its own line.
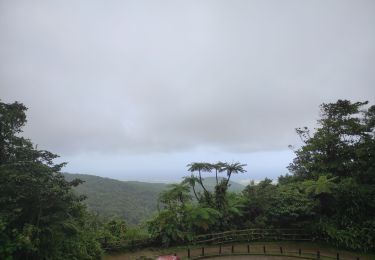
x=321 y=189
x=234 y=168
x=218 y=167
x=200 y=167
x=175 y=195
x=192 y=180
x=323 y=185
x=201 y=218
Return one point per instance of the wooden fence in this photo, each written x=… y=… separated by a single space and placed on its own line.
x=263 y=250
x=254 y=235
x=245 y=235
x=240 y=242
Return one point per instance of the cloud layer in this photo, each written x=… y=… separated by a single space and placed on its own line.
x=141 y=77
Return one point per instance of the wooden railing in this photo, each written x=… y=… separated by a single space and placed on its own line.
x=265 y=250
x=245 y=235
x=253 y=235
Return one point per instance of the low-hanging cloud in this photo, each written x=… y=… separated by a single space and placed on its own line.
x=165 y=76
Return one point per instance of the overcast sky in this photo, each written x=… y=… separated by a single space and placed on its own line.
x=135 y=90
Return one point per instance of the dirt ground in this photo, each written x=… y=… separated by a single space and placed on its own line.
x=253 y=257
x=218 y=258
x=307 y=249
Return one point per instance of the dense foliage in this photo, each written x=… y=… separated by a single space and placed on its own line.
x=133 y=201
x=336 y=164
x=40 y=217
x=211 y=210
x=330 y=191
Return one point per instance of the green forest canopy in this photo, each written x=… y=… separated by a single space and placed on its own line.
x=133 y=201
x=330 y=189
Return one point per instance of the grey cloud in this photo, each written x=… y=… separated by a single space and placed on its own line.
x=162 y=76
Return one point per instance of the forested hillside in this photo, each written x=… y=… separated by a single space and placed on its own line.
x=132 y=200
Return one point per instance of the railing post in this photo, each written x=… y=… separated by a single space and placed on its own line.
x=264 y=249
x=338 y=256
x=248 y=249
x=281 y=250
x=299 y=251
x=232 y=249
x=202 y=251
x=318 y=254
x=220 y=249
x=188 y=252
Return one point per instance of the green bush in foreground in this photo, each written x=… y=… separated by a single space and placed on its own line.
x=40 y=216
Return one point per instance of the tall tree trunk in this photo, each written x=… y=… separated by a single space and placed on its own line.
x=229 y=174
x=206 y=193
x=195 y=193
x=201 y=182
